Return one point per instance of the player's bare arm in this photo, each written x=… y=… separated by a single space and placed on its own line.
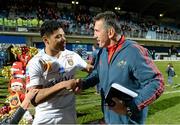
x=45 y=93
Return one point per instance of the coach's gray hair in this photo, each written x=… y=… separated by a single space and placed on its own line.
x=110 y=20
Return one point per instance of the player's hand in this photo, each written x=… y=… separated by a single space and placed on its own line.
x=119 y=106
x=78 y=89
x=88 y=68
x=70 y=84
x=31 y=93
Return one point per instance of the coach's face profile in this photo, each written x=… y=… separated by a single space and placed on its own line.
x=101 y=33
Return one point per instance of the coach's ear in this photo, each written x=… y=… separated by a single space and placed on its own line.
x=111 y=33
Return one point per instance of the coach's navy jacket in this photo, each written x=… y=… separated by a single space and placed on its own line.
x=132 y=67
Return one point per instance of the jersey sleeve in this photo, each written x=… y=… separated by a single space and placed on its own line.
x=81 y=64
x=33 y=73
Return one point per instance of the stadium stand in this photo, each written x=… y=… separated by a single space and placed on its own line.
x=77 y=20
x=135 y=22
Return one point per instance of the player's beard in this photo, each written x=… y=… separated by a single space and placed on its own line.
x=60 y=46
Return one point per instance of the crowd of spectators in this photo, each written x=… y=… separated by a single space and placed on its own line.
x=29 y=16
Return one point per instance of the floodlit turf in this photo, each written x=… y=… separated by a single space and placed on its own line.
x=165 y=110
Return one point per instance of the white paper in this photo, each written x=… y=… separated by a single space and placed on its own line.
x=124 y=90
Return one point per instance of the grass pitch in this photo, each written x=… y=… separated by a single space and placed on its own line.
x=165 y=110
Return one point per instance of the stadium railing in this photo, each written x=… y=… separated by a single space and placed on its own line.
x=32 y=25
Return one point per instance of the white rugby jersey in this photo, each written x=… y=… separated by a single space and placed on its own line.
x=46 y=70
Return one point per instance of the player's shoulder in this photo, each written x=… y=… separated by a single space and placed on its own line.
x=37 y=57
x=69 y=52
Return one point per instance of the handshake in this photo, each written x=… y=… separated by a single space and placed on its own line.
x=72 y=85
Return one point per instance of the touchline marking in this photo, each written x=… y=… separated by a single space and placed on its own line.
x=172 y=92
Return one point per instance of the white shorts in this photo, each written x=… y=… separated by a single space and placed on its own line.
x=66 y=118
x=47 y=121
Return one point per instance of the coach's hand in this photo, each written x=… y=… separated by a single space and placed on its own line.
x=119 y=106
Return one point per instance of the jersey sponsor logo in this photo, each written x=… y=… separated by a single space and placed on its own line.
x=53 y=81
x=66 y=78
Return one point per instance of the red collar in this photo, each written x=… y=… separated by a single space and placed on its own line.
x=116 y=47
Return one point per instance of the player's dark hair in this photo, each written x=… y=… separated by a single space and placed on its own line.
x=48 y=27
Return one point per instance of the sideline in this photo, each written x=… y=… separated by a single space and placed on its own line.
x=176 y=91
x=165 y=60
